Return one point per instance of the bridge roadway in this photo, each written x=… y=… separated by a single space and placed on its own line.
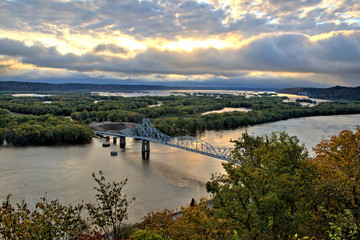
x=148 y=133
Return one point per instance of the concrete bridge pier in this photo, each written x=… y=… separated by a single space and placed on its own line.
x=145 y=149
x=114 y=140
x=122 y=142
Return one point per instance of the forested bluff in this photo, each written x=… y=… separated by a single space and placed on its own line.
x=333 y=93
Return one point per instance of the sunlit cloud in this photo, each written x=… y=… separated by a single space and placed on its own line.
x=273 y=42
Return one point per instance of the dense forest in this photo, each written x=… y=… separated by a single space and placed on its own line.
x=41 y=130
x=174 y=115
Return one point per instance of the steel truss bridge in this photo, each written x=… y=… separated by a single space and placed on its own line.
x=147 y=132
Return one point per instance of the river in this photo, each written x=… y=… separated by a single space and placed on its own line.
x=168 y=180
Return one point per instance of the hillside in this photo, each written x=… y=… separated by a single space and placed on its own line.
x=333 y=93
x=31 y=86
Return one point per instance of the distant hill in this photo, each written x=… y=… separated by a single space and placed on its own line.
x=31 y=86
x=15 y=86
x=333 y=93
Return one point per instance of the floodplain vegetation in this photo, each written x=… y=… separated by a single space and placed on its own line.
x=64 y=119
x=271 y=189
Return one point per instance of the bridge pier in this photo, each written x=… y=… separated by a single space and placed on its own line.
x=114 y=140
x=145 y=149
x=122 y=142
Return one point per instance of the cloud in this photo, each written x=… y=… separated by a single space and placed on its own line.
x=15 y=48
x=340 y=48
x=185 y=18
x=128 y=38
x=112 y=48
x=4 y=68
x=295 y=53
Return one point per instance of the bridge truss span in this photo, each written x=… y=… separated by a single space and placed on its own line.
x=197 y=145
x=146 y=131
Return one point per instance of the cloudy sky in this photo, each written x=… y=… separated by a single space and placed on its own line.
x=271 y=43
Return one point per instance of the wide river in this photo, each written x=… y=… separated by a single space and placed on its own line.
x=168 y=180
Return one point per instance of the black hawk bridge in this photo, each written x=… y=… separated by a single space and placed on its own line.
x=148 y=133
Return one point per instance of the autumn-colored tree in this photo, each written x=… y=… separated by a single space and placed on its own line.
x=195 y=222
x=338 y=182
x=198 y=222
x=49 y=220
x=148 y=235
x=266 y=188
x=161 y=222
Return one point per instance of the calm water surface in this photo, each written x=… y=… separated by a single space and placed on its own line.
x=309 y=130
x=168 y=180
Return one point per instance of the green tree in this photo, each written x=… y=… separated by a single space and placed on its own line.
x=111 y=205
x=49 y=220
x=265 y=190
x=343 y=226
x=148 y=235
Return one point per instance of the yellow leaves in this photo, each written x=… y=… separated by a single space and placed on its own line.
x=338 y=167
x=339 y=154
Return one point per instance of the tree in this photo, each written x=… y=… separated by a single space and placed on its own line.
x=338 y=181
x=48 y=221
x=265 y=190
x=161 y=222
x=111 y=206
x=195 y=222
x=198 y=222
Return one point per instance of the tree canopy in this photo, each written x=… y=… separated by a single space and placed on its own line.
x=41 y=130
x=265 y=188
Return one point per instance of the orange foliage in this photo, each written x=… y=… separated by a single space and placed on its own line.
x=338 y=166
